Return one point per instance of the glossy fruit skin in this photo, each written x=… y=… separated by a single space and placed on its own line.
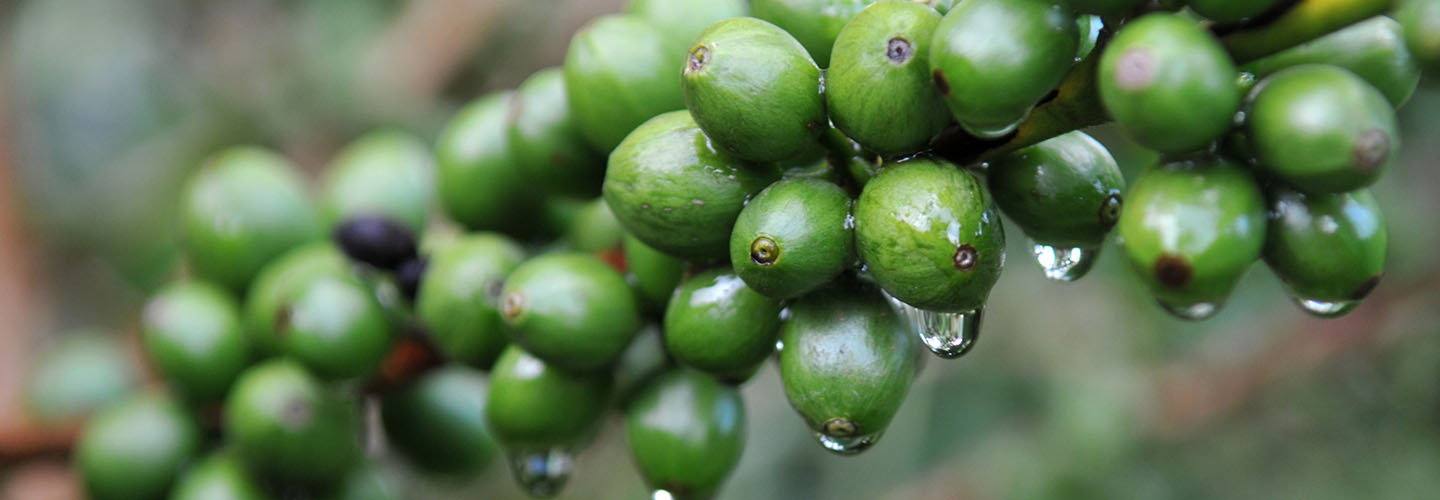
x=135 y=449
x=459 y=300
x=718 y=325
x=1065 y=191
x=686 y=432
x=878 y=89
x=286 y=425
x=848 y=359
x=652 y=273
x=219 y=476
x=1168 y=83
x=668 y=187
x=1420 y=20
x=545 y=140
x=376 y=241
x=1229 y=11
x=192 y=335
x=993 y=60
x=594 y=228
x=366 y=481
x=244 y=207
x=336 y=327
x=618 y=75
x=532 y=406
x=279 y=281
x=480 y=184
x=753 y=90
x=930 y=235
x=680 y=21
x=1192 y=229
x=642 y=361
x=438 y=421
x=385 y=173
x=570 y=309
x=1327 y=247
x=1322 y=129
x=82 y=372
x=1373 y=49
x=793 y=237
x=814 y=23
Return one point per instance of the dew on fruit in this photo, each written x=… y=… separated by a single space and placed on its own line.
x=1325 y=308
x=1192 y=312
x=947 y=334
x=849 y=445
x=1064 y=263
x=541 y=474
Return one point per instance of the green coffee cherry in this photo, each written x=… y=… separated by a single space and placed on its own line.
x=681 y=21
x=1191 y=230
x=753 y=90
x=1106 y=7
x=459 y=299
x=993 y=60
x=1420 y=20
x=1374 y=50
x=644 y=359
x=82 y=372
x=930 y=235
x=336 y=327
x=387 y=173
x=1065 y=193
x=671 y=189
x=1322 y=129
x=539 y=414
x=244 y=207
x=1230 y=11
x=219 y=476
x=438 y=421
x=136 y=449
x=193 y=336
x=814 y=23
x=795 y=236
x=546 y=142
x=595 y=228
x=366 y=481
x=878 y=88
x=617 y=75
x=1328 y=249
x=281 y=280
x=570 y=309
x=847 y=364
x=1088 y=27
x=718 y=325
x=653 y=274
x=481 y=185
x=686 y=432
x=1168 y=83
x=288 y=426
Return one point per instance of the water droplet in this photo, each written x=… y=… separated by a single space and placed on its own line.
x=947 y=334
x=849 y=222
x=541 y=473
x=1325 y=309
x=1064 y=264
x=661 y=495
x=848 y=445
x=1192 y=312
x=779 y=346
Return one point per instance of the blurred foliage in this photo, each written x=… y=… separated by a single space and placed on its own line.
x=1083 y=390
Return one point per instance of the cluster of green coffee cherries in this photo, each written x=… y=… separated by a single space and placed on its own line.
x=692 y=194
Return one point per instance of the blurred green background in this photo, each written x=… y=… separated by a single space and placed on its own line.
x=1082 y=390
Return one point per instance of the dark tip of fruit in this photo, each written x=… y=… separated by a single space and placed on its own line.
x=512 y=305
x=839 y=427
x=1365 y=288
x=899 y=50
x=941 y=84
x=376 y=241
x=409 y=274
x=698 y=57
x=282 y=321
x=764 y=251
x=296 y=413
x=1136 y=69
x=812 y=125
x=965 y=257
x=1172 y=271
x=1110 y=210
x=1371 y=149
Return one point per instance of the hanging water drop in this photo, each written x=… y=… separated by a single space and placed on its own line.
x=848 y=445
x=541 y=474
x=1325 y=309
x=1192 y=312
x=1064 y=264
x=947 y=334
